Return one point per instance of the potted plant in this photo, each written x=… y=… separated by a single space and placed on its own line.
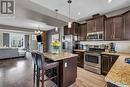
x=56 y=45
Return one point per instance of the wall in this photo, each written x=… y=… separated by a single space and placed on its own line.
x=1 y=39
x=49 y=38
x=121 y=46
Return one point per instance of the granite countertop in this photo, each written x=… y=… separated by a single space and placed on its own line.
x=79 y=50
x=120 y=71
x=60 y=56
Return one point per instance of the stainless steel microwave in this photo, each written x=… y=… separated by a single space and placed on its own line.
x=95 y=36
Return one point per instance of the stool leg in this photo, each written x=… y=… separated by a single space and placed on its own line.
x=34 y=76
x=38 y=76
x=42 y=78
x=58 y=76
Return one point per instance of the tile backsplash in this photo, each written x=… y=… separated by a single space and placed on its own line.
x=121 y=46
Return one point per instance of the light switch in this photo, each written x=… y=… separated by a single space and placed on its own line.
x=65 y=65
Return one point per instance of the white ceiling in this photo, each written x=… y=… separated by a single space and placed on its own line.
x=25 y=23
x=85 y=7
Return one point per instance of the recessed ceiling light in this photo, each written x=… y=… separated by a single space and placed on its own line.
x=79 y=13
x=109 y=1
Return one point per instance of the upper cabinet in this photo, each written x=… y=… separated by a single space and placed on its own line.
x=95 y=24
x=126 y=21
x=114 y=28
x=82 y=32
x=73 y=30
x=91 y=26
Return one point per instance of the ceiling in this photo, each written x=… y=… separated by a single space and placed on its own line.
x=25 y=23
x=32 y=13
x=83 y=8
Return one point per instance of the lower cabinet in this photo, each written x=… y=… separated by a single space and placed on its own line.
x=80 y=60
x=107 y=62
x=111 y=85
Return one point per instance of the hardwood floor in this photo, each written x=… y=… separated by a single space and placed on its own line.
x=89 y=79
x=18 y=73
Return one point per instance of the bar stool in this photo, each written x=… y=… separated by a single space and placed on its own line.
x=34 y=67
x=42 y=67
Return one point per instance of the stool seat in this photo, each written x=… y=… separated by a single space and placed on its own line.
x=51 y=65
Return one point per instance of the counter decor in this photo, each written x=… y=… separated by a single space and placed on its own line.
x=55 y=45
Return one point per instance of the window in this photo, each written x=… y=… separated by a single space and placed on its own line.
x=17 y=40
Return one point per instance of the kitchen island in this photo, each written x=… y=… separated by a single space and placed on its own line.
x=67 y=67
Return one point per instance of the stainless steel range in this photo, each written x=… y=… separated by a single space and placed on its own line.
x=92 y=59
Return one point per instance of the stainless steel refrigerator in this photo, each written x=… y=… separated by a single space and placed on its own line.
x=68 y=43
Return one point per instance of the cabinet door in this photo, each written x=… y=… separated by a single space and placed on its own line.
x=66 y=30
x=105 y=64
x=75 y=27
x=80 y=60
x=118 y=28
x=91 y=26
x=71 y=31
x=108 y=29
x=111 y=85
x=69 y=71
x=44 y=41
x=99 y=23
x=126 y=19
x=113 y=60
x=83 y=31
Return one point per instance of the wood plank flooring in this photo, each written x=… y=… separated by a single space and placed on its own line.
x=18 y=73
x=89 y=79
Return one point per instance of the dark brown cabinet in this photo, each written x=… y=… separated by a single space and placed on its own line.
x=114 y=28
x=126 y=21
x=91 y=26
x=96 y=24
x=82 y=32
x=44 y=41
x=107 y=62
x=73 y=30
x=80 y=60
x=111 y=85
x=68 y=71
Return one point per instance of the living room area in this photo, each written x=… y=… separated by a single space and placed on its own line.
x=15 y=43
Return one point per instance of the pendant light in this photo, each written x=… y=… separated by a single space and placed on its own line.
x=109 y=1
x=56 y=10
x=69 y=23
x=38 y=32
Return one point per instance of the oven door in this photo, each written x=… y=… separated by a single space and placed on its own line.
x=93 y=60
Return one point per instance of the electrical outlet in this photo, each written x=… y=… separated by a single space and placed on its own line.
x=66 y=65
